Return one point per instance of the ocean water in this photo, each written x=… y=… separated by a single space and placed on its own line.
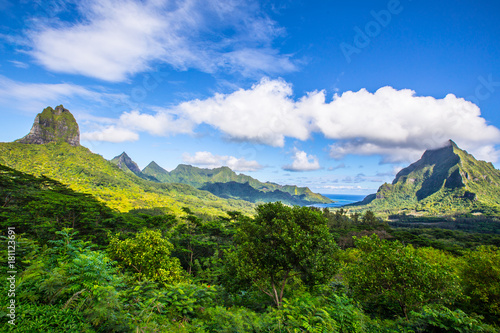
x=340 y=200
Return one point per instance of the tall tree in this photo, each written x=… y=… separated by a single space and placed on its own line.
x=282 y=242
x=391 y=275
x=148 y=256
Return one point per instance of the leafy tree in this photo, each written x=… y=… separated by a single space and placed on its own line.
x=481 y=279
x=280 y=243
x=148 y=255
x=199 y=244
x=369 y=218
x=390 y=275
x=189 y=239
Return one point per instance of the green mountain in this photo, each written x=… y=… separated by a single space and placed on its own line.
x=156 y=171
x=124 y=162
x=444 y=181
x=52 y=149
x=53 y=125
x=243 y=191
x=86 y=172
x=213 y=180
x=198 y=177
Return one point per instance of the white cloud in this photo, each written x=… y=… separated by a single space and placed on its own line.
x=399 y=125
x=263 y=114
x=208 y=160
x=303 y=162
x=126 y=128
x=118 y=38
x=34 y=97
x=394 y=124
x=110 y=134
x=162 y=123
x=19 y=64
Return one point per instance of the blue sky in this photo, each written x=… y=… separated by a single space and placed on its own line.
x=333 y=95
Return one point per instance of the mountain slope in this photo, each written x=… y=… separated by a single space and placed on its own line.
x=87 y=172
x=445 y=180
x=235 y=190
x=156 y=171
x=204 y=178
x=124 y=162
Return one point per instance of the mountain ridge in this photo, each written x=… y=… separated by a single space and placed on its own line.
x=443 y=180
x=124 y=162
x=201 y=178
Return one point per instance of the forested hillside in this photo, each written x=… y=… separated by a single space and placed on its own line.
x=224 y=182
x=444 y=181
x=83 y=267
x=87 y=172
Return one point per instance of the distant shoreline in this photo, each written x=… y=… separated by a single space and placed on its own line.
x=340 y=200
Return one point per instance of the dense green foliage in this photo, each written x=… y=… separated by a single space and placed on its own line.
x=282 y=243
x=40 y=206
x=86 y=172
x=399 y=278
x=84 y=267
x=147 y=255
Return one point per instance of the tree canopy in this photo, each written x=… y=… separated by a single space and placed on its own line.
x=282 y=242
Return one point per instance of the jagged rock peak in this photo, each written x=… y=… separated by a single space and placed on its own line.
x=123 y=161
x=53 y=125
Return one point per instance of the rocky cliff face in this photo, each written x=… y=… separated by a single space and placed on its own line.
x=53 y=125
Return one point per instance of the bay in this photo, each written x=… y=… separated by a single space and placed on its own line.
x=340 y=200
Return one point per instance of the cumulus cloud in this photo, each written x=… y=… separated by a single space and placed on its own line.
x=208 y=160
x=265 y=113
x=395 y=124
x=110 y=134
x=303 y=162
x=162 y=123
x=128 y=126
x=115 y=39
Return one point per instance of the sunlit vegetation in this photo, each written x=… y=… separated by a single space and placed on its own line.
x=84 y=267
x=90 y=173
